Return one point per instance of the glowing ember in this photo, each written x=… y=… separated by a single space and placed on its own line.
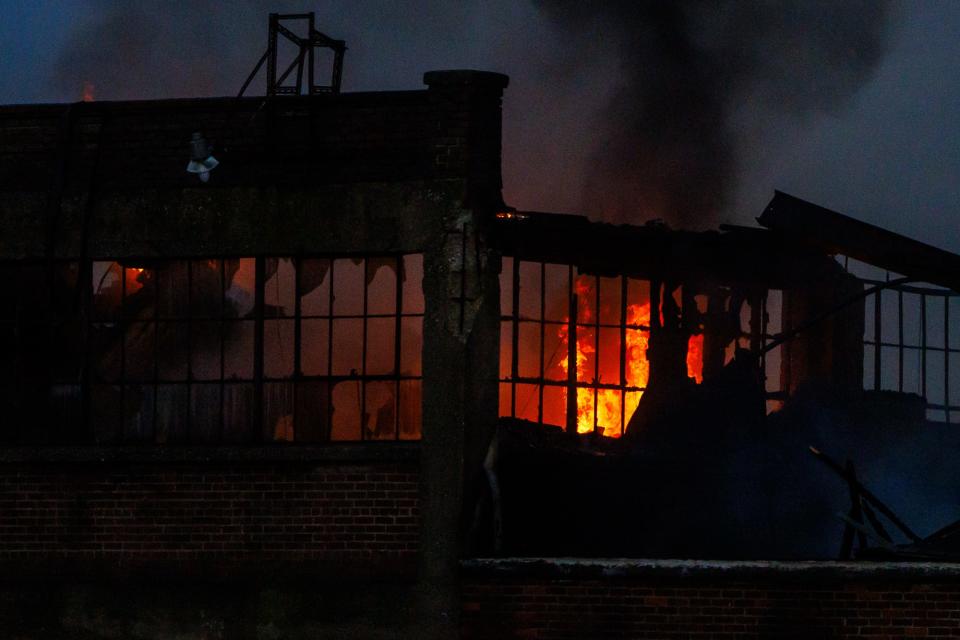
x=87 y=91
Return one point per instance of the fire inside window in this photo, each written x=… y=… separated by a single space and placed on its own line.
x=232 y=350
x=611 y=334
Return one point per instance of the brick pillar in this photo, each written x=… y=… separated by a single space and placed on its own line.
x=461 y=335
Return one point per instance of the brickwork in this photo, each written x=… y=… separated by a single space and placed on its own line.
x=581 y=609
x=287 y=510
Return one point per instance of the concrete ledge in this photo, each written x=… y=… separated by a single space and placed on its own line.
x=772 y=570
x=332 y=453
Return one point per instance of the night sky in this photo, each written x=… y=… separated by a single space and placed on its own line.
x=886 y=150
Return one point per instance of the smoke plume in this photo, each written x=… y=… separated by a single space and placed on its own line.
x=667 y=148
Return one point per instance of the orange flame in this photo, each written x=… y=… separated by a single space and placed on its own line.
x=636 y=370
x=88 y=88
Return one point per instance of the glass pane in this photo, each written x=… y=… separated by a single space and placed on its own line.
x=238 y=341
x=278 y=348
x=411 y=346
x=206 y=289
x=139 y=352
x=312 y=404
x=173 y=341
x=279 y=293
x=506 y=349
x=348 y=285
x=173 y=290
x=413 y=283
x=506 y=286
x=172 y=413
x=105 y=352
x=138 y=410
x=380 y=416
x=530 y=290
x=381 y=286
x=557 y=293
x=347 y=347
x=107 y=290
x=410 y=409
x=528 y=350
x=239 y=296
x=140 y=297
x=238 y=413
x=554 y=405
x=106 y=413
x=610 y=296
x=278 y=404
x=506 y=396
x=528 y=400
x=205 y=348
x=585 y=288
x=346 y=411
x=638 y=302
x=609 y=356
x=315 y=347
x=381 y=346
x=315 y=287
x=204 y=413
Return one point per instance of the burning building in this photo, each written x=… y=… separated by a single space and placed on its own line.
x=342 y=389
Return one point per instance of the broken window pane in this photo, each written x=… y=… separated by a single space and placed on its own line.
x=312 y=410
x=347 y=347
x=279 y=294
x=173 y=290
x=138 y=413
x=238 y=350
x=238 y=412
x=278 y=348
x=410 y=409
x=315 y=287
x=555 y=405
x=610 y=296
x=381 y=285
x=204 y=413
x=278 y=404
x=411 y=346
x=172 y=349
x=530 y=290
x=506 y=399
x=205 y=350
x=172 y=413
x=240 y=292
x=206 y=289
x=557 y=293
x=506 y=286
x=348 y=287
x=139 y=351
x=529 y=350
x=381 y=346
x=346 y=411
x=315 y=347
x=380 y=416
x=107 y=290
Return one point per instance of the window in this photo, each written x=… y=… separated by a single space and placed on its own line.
x=222 y=350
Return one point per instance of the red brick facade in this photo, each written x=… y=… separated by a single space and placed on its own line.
x=545 y=609
x=228 y=511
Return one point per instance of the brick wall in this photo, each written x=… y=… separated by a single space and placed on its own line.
x=130 y=512
x=451 y=131
x=701 y=607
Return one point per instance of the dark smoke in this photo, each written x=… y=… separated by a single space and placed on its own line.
x=667 y=149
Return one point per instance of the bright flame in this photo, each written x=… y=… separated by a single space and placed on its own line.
x=88 y=88
x=636 y=366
